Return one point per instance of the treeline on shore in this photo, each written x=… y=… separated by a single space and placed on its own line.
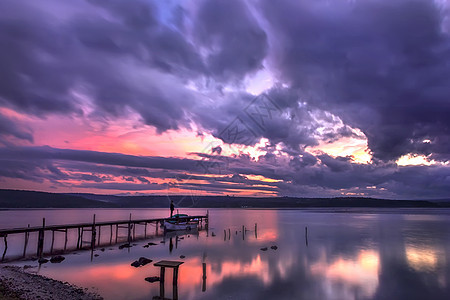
x=13 y=199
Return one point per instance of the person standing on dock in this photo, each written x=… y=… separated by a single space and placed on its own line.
x=172 y=207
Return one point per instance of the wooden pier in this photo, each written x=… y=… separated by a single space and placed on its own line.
x=94 y=228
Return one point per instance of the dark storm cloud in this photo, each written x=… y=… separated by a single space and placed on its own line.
x=123 y=55
x=236 y=42
x=9 y=127
x=33 y=73
x=117 y=159
x=46 y=59
x=382 y=66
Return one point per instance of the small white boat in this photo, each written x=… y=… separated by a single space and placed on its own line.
x=175 y=223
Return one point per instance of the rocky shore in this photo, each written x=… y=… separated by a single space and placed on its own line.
x=15 y=284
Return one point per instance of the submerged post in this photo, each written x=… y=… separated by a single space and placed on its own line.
x=256 y=230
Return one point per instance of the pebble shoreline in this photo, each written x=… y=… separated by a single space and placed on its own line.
x=15 y=284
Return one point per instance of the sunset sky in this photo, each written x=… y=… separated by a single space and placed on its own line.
x=306 y=98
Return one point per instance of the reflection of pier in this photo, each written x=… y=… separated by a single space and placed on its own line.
x=94 y=228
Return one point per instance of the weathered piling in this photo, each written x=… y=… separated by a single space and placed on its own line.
x=27 y=236
x=110 y=233
x=40 y=246
x=6 y=246
x=93 y=233
x=129 y=230
x=306 y=235
x=204 y=277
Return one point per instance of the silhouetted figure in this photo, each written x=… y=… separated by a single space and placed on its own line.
x=172 y=207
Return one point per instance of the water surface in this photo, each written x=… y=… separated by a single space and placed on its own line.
x=346 y=254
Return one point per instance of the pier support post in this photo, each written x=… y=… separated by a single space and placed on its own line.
x=204 y=277
x=53 y=241
x=27 y=235
x=117 y=231
x=6 y=246
x=161 y=281
x=110 y=234
x=129 y=230
x=65 y=239
x=94 y=233
x=145 y=230
x=99 y=234
x=40 y=247
x=79 y=237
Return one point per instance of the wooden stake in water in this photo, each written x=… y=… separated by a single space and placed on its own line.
x=306 y=235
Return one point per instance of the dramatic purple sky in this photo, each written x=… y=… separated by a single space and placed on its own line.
x=305 y=98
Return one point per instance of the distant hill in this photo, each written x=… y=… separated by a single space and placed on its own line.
x=31 y=199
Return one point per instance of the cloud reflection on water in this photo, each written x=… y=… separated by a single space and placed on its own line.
x=348 y=256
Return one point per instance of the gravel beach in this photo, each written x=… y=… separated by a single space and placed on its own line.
x=16 y=283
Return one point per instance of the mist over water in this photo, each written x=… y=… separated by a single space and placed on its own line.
x=346 y=254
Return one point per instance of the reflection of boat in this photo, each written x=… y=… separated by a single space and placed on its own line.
x=181 y=233
x=180 y=222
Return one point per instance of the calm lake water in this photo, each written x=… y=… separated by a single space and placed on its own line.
x=348 y=254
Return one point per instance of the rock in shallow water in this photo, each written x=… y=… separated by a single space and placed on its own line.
x=135 y=264
x=125 y=246
x=43 y=260
x=152 y=279
x=142 y=261
x=57 y=259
